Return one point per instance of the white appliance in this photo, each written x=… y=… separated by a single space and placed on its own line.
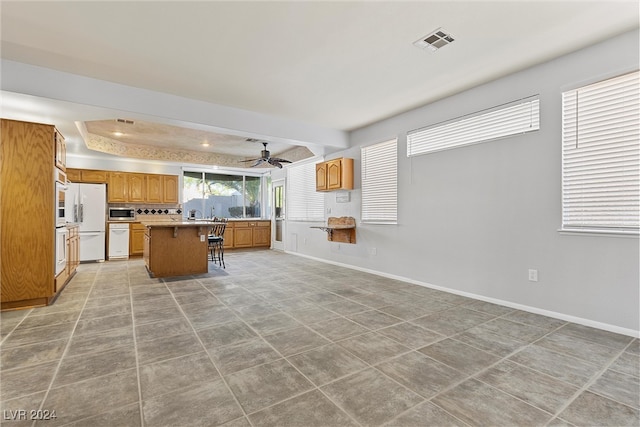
x=89 y=209
x=61 y=189
x=118 y=240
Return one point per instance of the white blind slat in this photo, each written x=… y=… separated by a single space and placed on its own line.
x=380 y=182
x=601 y=155
x=515 y=118
x=303 y=202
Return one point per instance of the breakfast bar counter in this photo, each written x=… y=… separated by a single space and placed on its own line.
x=176 y=248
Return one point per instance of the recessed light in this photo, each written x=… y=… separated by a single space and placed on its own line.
x=205 y=144
x=118 y=134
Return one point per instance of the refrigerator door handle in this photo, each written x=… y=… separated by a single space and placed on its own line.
x=81 y=212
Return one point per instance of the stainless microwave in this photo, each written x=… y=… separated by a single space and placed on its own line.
x=122 y=214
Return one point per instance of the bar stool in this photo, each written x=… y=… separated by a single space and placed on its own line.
x=216 y=241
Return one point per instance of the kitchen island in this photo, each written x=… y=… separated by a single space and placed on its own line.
x=176 y=248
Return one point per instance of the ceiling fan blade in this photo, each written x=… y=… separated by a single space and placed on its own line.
x=280 y=160
x=258 y=161
x=250 y=160
x=275 y=163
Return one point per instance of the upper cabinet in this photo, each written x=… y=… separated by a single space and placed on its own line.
x=117 y=187
x=137 y=184
x=129 y=187
x=61 y=151
x=170 y=188
x=87 y=175
x=336 y=174
x=154 y=188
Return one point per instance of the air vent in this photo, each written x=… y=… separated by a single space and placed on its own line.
x=434 y=40
x=125 y=121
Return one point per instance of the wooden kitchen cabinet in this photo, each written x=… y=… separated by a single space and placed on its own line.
x=131 y=187
x=170 y=188
x=74 y=249
x=262 y=234
x=73 y=257
x=74 y=175
x=247 y=234
x=27 y=247
x=154 y=185
x=229 y=237
x=94 y=176
x=243 y=235
x=117 y=187
x=61 y=151
x=336 y=174
x=137 y=184
x=136 y=239
x=87 y=176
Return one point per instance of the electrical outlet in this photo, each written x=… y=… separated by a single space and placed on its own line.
x=533 y=275
x=202 y=238
x=373 y=251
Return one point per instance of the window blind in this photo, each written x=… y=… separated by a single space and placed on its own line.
x=505 y=120
x=601 y=155
x=303 y=202
x=380 y=182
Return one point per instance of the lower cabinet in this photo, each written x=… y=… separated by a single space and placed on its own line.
x=73 y=258
x=242 y=235
x=247 y=234
x=136 y=239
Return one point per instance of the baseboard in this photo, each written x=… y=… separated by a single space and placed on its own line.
x=535 y=310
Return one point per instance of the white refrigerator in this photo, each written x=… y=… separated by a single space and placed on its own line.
x=89 y=209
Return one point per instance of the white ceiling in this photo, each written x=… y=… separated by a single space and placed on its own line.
x=339 y=65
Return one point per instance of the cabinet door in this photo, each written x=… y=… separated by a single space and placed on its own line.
x=117 y=187
x=228 y=237
x=136 y=241
x=93 y=176
x=243 y=237
x=170 y=186
x=136 y=187
x=334 y=174
x=61 y=151
x=261 y=236
x=75 y=250
x=74 y=175
x=321 y=176
x=154 y=188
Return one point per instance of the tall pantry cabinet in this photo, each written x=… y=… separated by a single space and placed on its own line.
x=28 y=153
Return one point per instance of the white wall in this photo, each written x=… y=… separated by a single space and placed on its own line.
x=475 y=219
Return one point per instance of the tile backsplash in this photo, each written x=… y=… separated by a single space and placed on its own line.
x=158 y=211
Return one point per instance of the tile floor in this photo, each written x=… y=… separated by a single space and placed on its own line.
x=278 y=340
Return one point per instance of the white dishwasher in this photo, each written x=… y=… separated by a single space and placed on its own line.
x=118 y=241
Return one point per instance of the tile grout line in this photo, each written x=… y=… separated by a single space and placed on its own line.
x=206 y=350
x=66 y=348
x=135 y=348
x=289 y=363
x=15 y=327
x=474 y=375
x=595 y=377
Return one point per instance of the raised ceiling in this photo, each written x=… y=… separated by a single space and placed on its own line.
x=340 y=65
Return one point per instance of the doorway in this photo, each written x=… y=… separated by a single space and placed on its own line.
x=278 y=222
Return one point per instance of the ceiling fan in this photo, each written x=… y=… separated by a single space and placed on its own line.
x=266 y=157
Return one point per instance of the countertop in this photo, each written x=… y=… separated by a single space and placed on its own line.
x=198 y=223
